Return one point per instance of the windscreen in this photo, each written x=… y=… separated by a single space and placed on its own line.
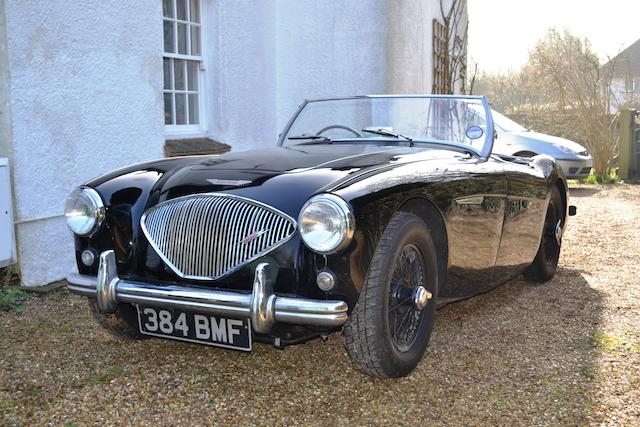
x=447 y=120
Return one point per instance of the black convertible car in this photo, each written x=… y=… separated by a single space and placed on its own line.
x=368 y=213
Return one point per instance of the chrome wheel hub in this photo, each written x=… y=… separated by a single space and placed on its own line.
x=421 y=297
x=558 y=232
x=408 y=298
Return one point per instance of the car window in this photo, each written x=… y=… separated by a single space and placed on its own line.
x=505 y=124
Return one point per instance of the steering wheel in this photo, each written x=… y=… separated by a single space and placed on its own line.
x=343 y=127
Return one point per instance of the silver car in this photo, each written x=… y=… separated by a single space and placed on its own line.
x=516 y=140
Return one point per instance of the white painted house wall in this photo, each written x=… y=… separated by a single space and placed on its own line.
x=625 y=93
x=85 y=90
x=345 y=53
x=85 y=79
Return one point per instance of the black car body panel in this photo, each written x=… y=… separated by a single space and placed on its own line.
x=492 y=210
x=484 y=213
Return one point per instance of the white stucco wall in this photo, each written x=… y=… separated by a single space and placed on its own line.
x=6 y=146
x=6 y=140
x=624 y=96
x=240 y=50
x=265 y=58
x=85 y=88
x=411 y=43
x=330 y=48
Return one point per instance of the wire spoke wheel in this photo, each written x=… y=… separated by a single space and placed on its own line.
x=404 y=317
x=390 y=326
x=545 y=264
x=552 y=237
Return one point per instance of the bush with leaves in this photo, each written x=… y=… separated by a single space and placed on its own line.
x=563 y=77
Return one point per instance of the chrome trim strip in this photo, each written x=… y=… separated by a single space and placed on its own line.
x=198 y=241
x=262 y=306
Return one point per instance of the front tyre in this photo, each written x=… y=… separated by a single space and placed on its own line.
x=544 y=266
x=390 y=326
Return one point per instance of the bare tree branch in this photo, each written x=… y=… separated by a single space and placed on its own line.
x=456 y=44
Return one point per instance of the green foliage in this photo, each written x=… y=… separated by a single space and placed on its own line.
x=617 y=344
x=564 y=80
x=611 y=178
x=12 y=299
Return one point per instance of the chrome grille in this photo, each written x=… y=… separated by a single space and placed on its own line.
x=206 y=236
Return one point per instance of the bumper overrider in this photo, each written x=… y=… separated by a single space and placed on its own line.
x=262 y=306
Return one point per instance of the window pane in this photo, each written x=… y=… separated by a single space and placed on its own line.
x=195 y=40
x=168 y=109
x=192 y=75
x=178 y=74
x=182 y=39
x=167 y=8
x=182 y=9
x=181 y=115
x=194 y=117
x=168 y=37
x=194 y=10
x=168 y=84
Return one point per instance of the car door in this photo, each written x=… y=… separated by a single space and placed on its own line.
x=474 y=227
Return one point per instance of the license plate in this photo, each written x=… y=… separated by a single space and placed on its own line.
x=195 y=327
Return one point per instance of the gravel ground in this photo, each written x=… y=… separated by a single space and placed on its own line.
x=565 y=352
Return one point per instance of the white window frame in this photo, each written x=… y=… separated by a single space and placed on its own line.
x=187 y=130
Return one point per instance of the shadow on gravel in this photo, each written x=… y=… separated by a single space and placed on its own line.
x=523 y=348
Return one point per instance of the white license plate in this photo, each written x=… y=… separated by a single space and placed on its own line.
x=195 y=327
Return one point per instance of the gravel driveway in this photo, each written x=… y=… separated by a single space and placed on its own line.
x=566 y=352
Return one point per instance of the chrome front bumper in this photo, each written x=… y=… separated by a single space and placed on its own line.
x=262 y=306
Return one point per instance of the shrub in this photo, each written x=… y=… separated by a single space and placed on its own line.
x=11 y=297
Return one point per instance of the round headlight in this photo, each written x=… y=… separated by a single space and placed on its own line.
x=84 y=211
x=326 y=223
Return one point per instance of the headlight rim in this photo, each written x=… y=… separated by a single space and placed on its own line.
x=99 y=211
x=344 y=208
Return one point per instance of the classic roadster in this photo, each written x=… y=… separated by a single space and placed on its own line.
x=370 y=212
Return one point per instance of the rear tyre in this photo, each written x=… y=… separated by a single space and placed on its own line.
x=123 y=323
x=544 y=266
x=390 y=326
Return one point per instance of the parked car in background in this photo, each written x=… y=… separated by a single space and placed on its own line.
x=369 y=212
x=516 y=140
